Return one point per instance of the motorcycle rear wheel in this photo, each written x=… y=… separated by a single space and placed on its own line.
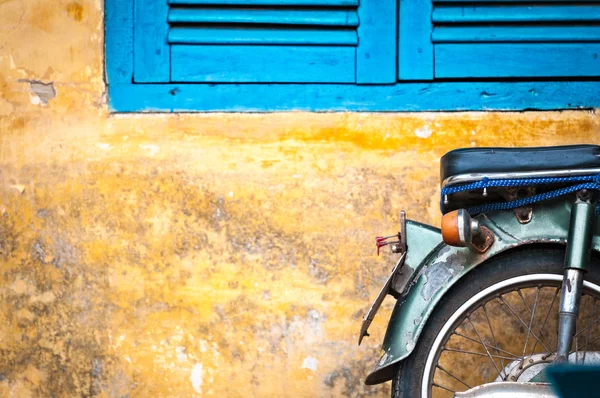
x=483 y=330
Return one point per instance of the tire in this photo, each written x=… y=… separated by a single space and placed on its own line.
x=408 y=380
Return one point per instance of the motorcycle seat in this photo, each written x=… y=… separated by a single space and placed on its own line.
x=482 y=161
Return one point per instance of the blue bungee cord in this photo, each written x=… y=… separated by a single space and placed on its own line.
x=584 y=182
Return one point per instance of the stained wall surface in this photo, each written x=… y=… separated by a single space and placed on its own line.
x=200 y=254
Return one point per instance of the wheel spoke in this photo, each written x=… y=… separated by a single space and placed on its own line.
x=541 y=331
x=495 y=333
x=524 y=302
x=490 y=346
x=477 y=353
x=484 y=346
x=593 y=341
x=443 y=388
x=578 y=334
x=451 y=375
x=523 y=323
x=570 y=352
x=576 y=350
x=537 y=293
x=587 y=327
x=587 y=339
x=487 y=318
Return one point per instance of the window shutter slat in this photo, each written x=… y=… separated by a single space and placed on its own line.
x=516 y=13
x=151 y=51
x=516 y=60
x=219 y=35
x=324 y=17
x=482 y=39
x=316 y=3
x=515 y=33
x=262 y=64
x=415 y=49
x=469 y=3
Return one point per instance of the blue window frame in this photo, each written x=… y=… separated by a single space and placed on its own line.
x=351 y=55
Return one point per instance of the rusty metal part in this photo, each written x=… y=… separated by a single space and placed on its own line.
x=397 y=246
x=483 y=240
x=422 y=238
x=460 y=230
x=402 y=248
x=388 y=287
x=524 y=213
x=370 y=315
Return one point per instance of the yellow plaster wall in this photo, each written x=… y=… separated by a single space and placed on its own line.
x=200 y=255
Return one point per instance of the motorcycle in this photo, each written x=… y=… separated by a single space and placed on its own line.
x=507 y=288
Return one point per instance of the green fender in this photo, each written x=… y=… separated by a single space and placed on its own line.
x=432 y=268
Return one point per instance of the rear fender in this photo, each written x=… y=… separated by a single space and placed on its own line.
x=427 y=282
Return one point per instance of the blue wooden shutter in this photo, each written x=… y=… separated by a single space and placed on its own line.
x=265 y=41
x=500 y=39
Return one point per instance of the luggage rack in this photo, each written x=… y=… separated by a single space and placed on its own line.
x=474 y=177
x=557 y=182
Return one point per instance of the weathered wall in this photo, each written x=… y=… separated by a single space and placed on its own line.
x=188 y=255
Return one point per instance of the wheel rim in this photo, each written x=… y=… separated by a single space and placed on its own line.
x=491 y=349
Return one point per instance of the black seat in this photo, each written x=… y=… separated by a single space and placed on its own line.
x=506 y=160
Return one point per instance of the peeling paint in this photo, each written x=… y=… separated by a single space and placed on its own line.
x=447 y=264
x=383 y=360
x=181 y=355
x=104 y=146
x=150 y=148
x=310 y=363
x=423 y=132
x=41 y=93
x=196 y=377
x=20 y=188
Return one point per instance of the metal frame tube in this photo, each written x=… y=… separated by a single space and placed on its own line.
x=569 y=311
x=577 y=261
x=473 y=177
